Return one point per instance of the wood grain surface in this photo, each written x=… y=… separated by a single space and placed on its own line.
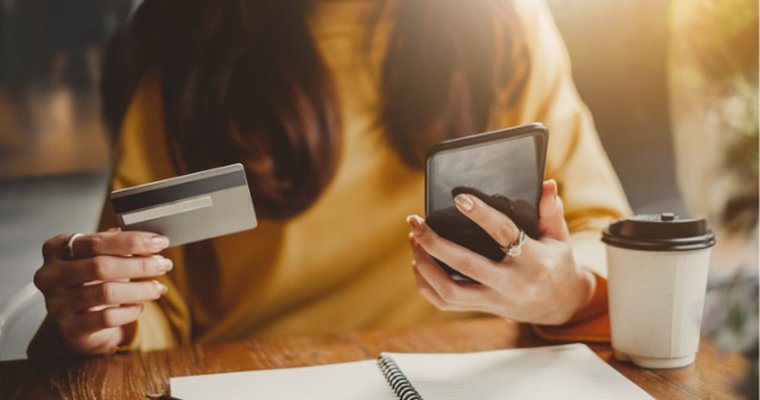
x=131 y=376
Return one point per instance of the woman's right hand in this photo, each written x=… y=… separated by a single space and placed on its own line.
x=91 y=298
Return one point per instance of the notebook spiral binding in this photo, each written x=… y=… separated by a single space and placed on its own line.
x=398 y=381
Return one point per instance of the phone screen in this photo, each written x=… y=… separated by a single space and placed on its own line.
x=504 y=170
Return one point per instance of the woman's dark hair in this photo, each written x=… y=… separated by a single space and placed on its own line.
x=243 y=81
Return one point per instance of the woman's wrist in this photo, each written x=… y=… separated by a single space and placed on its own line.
x=588 y=283
x=578 y=289
x=584 y=290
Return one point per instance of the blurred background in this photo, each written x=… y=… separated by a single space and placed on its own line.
x=672 y=86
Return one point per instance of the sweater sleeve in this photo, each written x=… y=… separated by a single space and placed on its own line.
x=590 y=190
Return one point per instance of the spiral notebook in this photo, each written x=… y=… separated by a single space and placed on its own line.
x=570 y=371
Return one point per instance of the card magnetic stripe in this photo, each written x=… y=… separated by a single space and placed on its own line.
x=178 y=192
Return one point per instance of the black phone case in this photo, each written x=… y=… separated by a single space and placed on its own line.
x=453 y=225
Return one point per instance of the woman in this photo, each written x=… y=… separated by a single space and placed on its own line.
x=331 y=106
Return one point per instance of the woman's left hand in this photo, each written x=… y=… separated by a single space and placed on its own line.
x=542 y=285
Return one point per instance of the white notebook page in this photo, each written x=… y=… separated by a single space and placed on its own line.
x=571 y=371
x=353 y=380
x=557 y=372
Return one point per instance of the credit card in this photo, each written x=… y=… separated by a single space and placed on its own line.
x=188 y=208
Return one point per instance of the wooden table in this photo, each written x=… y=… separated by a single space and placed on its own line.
x=130 y=376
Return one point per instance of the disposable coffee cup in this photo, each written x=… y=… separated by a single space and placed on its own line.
x=657 y=266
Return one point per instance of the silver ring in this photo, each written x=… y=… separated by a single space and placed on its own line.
x=69 y=248
x=514 y=249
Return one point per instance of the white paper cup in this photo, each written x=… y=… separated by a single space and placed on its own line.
x=657 y=266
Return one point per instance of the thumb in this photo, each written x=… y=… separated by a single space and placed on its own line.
x=551 y=222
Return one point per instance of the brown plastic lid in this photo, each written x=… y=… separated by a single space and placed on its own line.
x=659 y=232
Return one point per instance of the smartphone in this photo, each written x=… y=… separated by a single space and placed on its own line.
x=504 y=168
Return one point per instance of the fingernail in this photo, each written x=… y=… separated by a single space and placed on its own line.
x=162 y=289
x=164 y=264
x=464 y=202
x=159 y=242
x=554 y=188
x=416 y=223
